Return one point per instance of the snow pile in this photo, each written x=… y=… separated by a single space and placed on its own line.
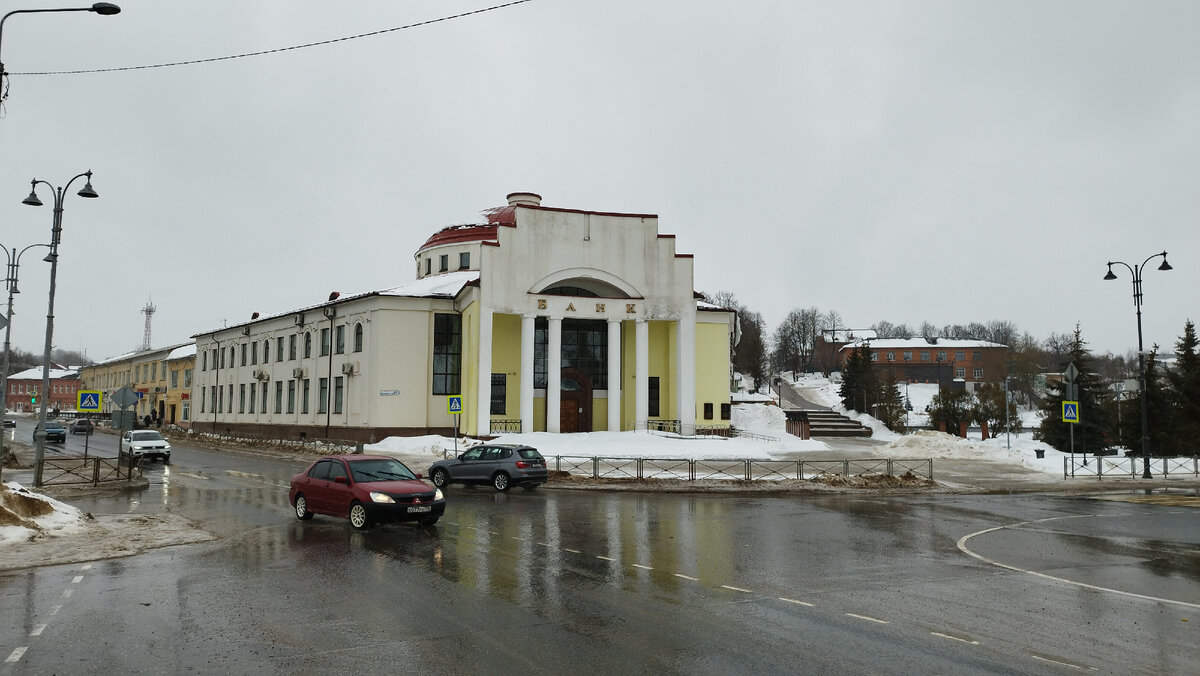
x=942 y=446
x=430 y=446
x=759 y=419
x=25 y=515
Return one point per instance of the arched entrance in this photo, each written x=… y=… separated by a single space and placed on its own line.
x=575 y=404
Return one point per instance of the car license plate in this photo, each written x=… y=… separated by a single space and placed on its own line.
x=419 y=508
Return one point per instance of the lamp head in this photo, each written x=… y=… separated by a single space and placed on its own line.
x=88 y=191
x=1165 y=265
x=1110 y=274
x=32 y=200
x=105 y=8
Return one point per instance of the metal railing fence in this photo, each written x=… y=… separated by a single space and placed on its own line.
x=676 y=427
x=736 y=469
x=1102 y=466
x=93 y=470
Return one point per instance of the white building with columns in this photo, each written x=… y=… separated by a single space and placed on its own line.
x=539 y=319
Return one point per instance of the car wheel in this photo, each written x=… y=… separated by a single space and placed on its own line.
x=440 y=478
x=167 y=460
x=500 y=481
x=358 y=517
x=429 y=522
x=302 y=512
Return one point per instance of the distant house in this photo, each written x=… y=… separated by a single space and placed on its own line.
x=24 y=389
x=936 y=360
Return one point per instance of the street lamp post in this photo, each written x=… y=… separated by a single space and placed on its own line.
x=10 y=281
x=101 y=8
x=52 y=259
x=1136 y=271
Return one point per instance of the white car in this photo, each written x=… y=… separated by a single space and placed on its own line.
x=146 y=444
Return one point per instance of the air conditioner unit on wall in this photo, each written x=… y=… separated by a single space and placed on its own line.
x=262 y=374
x=298 y=319
x=245 y=330
x=298 y=373
x=348 y=368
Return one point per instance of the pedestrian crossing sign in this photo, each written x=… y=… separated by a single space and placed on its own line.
x=1070 y=411
x=88 y=401
x=454 y=404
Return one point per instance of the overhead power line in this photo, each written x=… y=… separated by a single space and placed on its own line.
x=280 y=49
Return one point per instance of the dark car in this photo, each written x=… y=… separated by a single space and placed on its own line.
x=9 y=422
x=144 y=444
x=501 y=465
x=367 y=489
x=82 y=426
x=54 y=431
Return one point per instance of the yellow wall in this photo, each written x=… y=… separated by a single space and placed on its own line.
x=470 y=367
x=662 y=366
x=712 y=371
x=506 y=359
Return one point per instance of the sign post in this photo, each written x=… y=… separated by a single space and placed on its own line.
x=88 y=401
x=1070 y=408
x=455 y=408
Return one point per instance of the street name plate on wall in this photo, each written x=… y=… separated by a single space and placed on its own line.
x=389 y=393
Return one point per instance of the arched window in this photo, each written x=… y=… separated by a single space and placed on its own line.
x=266 y=351
x=358 y=337
x=307 y=344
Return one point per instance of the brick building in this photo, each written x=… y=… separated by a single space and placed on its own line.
x=24 y=385
x=937 y=360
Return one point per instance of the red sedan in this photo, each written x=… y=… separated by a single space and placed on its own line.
x=366 y=489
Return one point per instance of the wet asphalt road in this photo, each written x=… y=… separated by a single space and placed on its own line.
x=556 y=581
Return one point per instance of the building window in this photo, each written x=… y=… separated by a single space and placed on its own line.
x=253 y=389
x=187 y=377
x=253 y=353
x=908 y=355
x=243 y=346
x=279 y=349
x=959 y=355
x=292 y=347
x=977 y=374
x=154 y=370
x=447 y=353
x=230 y=409
x=941 y=355
x=960 y=372
x=653 y=397
x=241 y=398
x=215 y=405
x=187 y=410
x=443 y=263
x=324 y=342
x=584 y=346
x=708 y=407
x=304 y=391
x=266 y=351
x=291 y=408
x=340 y=340
x=358 y=337
x=279 y=396
x=262 y=399
x=977 y=356
x=464 y=260
x=891 y=356
x=924 y=355
x=322 y=395
x=204 y=360
x=307 y=344
x=338 y=390
x=726 y=411
x=202 y=393
x=499 y=393
x=219 y=396
x=428 y=265
x=874 y=356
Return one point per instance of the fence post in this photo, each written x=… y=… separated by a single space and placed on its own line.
x=595 y=468
x=691 y=470
x=889 y=468
x=748 y=477
x=639 y=468
x=799 y=470
x=846 y=467
x=1100 y=468
x=930 y=469
x=96 y=471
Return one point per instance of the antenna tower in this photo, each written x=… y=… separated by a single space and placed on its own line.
x=149 y=312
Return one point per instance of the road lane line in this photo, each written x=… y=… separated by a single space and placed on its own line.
x=687 y=577
x=638 y=565
x=868 y=618
x=86 y=566
x=542 y=544
x=54 y=609
x=955 y=638
x=15 y=655
x=37 y=630
x=1065 y=664
x=604 y=558
x=573 y=551
x=736 y=589
x=799 y=603
x=66 y=593
x=962 y=546
x=77 y=579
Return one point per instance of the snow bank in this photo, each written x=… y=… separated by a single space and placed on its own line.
x=25 y=515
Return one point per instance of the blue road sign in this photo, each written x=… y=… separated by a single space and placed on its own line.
x=454 y=404
x=1070 y=410
x=88 y=401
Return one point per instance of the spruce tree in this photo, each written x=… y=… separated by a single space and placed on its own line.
x=1184 y=380
x=1094 y=431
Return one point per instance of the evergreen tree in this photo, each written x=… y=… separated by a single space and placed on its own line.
x=989 y=408
x=1185 y=393
x=1094 y=431
x=952 y=407
x=890 y=410
x=860 y=388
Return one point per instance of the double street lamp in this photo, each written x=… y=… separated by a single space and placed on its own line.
x=10 y=281
x=52 y=259
x=1136 y=271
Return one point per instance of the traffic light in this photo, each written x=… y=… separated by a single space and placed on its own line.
x=33 y=398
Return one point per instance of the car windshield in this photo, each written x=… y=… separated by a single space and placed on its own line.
x=52 y=425
x=529 y=453
x=145 y=436
x=365 y=471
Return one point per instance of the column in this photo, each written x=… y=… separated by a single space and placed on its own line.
x=483 y=395
x=614 y=375
x=641 y=371
x=685 y=339
x=527 y=373
x=553 y=374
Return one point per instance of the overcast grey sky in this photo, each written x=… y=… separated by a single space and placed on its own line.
x=908 y=161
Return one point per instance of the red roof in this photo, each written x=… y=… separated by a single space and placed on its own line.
x=457 y=234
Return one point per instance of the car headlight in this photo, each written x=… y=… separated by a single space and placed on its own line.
x=437 y=494
x=381 y=497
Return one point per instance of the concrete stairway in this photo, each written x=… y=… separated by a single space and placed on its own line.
x=828 y=423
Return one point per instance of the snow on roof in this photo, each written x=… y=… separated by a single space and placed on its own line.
x=183 y=352
x=446 y=285
x=35 y=373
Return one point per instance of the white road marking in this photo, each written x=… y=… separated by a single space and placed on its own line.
x=638 y=565
x=604 y=558
x=736 y=589
x=687 y=577
x=77 y=579
x=954 y=638
x=518 y=538
x=54 y=609
x=67 y=593
x=542 y=544
x=86 y=566
x=16 y=654
x=37 y=630
x=867 y=618
x=962 y=546
x=1065 y=664
x=243 y=474
x=799 y=603
x=573 y=551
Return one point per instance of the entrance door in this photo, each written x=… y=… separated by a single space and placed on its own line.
x=575 y=408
